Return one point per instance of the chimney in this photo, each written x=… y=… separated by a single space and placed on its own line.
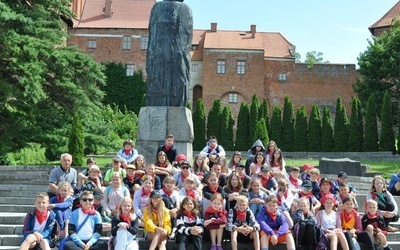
x=107 y=9
x=213 y=27
x=253 y=30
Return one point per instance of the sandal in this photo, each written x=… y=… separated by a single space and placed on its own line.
x=392 y=229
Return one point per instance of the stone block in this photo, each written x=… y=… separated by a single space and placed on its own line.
x=334 y=166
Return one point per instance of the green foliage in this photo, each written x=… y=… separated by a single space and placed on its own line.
x=398 y=133
x=253 y=119
x=242 y=132
x=226 y=129
x=288 y=126
x=341 y=129
x=386 y=140
x=261 y=132
x=371 y=127
x=327 y=131
x=313 y=57
x=214 y=120
x=314 y=129
x=263 y=112
x=33 y=154
x=276 y=125
x=300 y=130
x=356 y=129
x=189 y=106
x=199 y=125
x=76 y=143
x=41 y=81
x=379 y=68
x=122 y=90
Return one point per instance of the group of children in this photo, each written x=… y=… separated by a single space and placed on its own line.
x=257 y=202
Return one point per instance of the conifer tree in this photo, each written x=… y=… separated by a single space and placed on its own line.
x=386 y=140
x=76 y=143
x=264 y=112
x=288 y=126
x=327 y=131
x=398 y=132
x=199 y=125
x=356 y=128
x=314 y=129
x=253 y=119
x=371 y=127
x=300 y=130
x=242 y=132
x=276 y=125
x=214 y=119
x=226 y=139
x=261 y=132
x=341 y=129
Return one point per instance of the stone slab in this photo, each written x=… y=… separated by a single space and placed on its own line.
x=334 y=166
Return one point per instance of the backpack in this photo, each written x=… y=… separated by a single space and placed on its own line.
x=123 y=190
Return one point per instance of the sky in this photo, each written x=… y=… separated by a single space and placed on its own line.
x=337 y=28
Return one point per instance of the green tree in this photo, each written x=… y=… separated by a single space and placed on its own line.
x=76 y=143
x=41 y=81
x=356 y=127
x=386 y=140
x=371 y=127
x=398 y=133
x=276 y=125
x=313 y=57
x=288 y=126
x=242 y=132
x=253 y=119
x=199 y=125
x=341 y=129
x=314 y=129
x=261 y=132
x=226 y=139
x=214 y=120
x=327 y=131
x=300 y=130
x=263 y=112
x=378 y=68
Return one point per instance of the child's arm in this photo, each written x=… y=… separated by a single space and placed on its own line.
x=66 y=204
x=263 y=224
x=134 y=226
x=253 y=222
x=222 y=218
x=167 y=221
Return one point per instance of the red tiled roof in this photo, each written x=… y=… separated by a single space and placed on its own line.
x=126 y=14
x=386 y=20
x=273 y=44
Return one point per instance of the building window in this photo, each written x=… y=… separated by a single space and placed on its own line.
x=282 y=77
x=130 y=69
x=220 y=67
x=233 y=98
x=195 y=67
x=144 y=42
x=126 y=42
x=91 y=44
x=195 y=47
x=241 y=68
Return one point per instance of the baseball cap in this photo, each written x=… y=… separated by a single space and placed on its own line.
x=307 y=166
x=342 y=174
x=131 y=166
x=306 y=184
x=185 y=163
x=97 y=193
x=264 y=168
x=325 y=180
x=94 y=168
x=181 y=157
x=240 y=165
x=328 y=197
x=155 y=194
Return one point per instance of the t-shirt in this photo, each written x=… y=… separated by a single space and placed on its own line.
x=58 y=174
x=110 y=173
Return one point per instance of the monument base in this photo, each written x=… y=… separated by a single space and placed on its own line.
x=156 y=122
x=334 y=166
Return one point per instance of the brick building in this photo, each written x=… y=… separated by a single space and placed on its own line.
x=385 y=22
x=227 y=65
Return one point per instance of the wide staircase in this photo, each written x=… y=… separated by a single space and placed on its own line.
x=19 y=184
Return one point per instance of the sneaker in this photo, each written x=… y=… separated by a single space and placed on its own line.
x=387 y=248
x=213 y=247
x=219 y=247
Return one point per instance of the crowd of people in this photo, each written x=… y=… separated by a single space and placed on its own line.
x=212 y=199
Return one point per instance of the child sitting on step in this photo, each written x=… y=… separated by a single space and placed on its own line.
x=38 y=225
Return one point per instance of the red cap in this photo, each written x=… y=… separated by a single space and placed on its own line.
x=181 y=157
x=307 y=166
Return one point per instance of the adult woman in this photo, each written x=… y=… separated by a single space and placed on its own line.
x=387 y=206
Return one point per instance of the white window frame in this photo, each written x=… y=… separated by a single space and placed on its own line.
x=130 y=69
x=92 y=44
x=282 y=77
x=126 y=43
x=221 y=67
x=195 y=67
x=233 y=98
x=241 y=67
x=144 y=40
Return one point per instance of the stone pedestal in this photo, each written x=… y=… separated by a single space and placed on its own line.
x=334 y=166
x=156 y=122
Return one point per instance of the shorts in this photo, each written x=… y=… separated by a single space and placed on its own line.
x=281 y=239
x=394 y=192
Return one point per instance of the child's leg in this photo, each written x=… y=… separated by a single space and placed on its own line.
x=196 y=242
x=381 y=238
x=290 y=242
x=289 y=219
x=349 y=240
x=213 y=235
x=29 y=242
x=66 y=224
x=333 y=241
x=220 y=233
x=234 y=240
x=264 y=241
x=367 y=239
x=44 y=244
x=342 y=241
x=162 y=242
x=370 y=229
x=256 y=239
x=301 y=233
x=155 y=238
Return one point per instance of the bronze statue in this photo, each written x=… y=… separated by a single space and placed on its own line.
x=168 y=54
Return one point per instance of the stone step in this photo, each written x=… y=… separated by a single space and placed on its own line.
x=11 y=229
x=24 y=187
x=12 y=218
x=22 y=193
x=18 y=200
x=15 y=209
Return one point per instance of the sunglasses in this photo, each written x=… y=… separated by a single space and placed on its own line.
x=87 y=199
x=185 y=167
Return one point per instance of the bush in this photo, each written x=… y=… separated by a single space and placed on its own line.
x=76 y=143
x=386 y=140
x=314 y=129
x=199 y=125
x=341 y=129
x=327 y=131
x=371 y=127
x=214 y=120
x=33 y=154
x=242 y=132
x=300 y=131
x=261 y=132
x=288 y=126
x=276 y=125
